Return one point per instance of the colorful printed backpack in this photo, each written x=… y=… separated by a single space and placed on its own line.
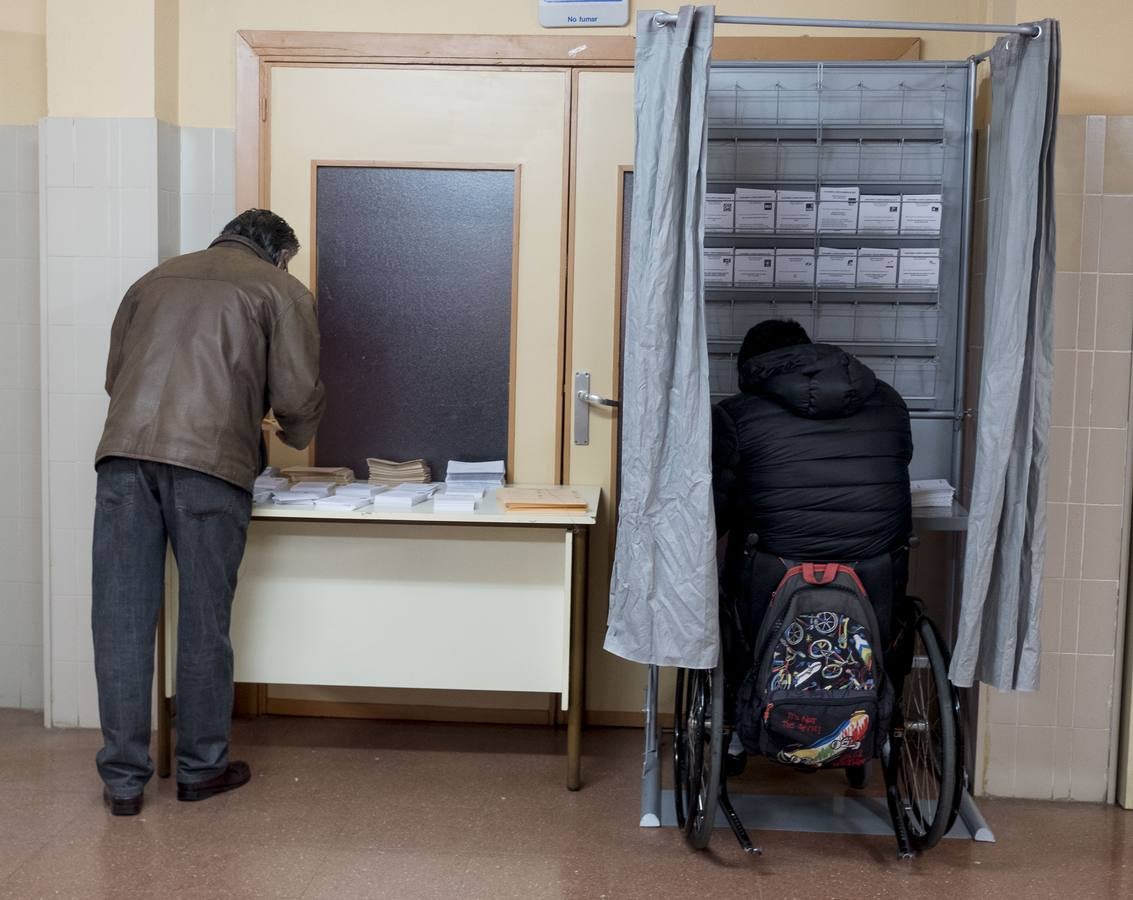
x=817 y=694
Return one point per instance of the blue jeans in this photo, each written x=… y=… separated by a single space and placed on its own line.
x=139 y=506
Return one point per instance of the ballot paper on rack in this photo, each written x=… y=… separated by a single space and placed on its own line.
x=879 y=213
x=719 y=212
x=877 y=267
x=920 y=268
x=921 y=213
x=932 y=492
x=838 y=209
x=755 y=209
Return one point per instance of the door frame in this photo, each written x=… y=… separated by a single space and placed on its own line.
x=259 y=51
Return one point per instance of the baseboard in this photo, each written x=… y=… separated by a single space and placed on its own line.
x=333 y=709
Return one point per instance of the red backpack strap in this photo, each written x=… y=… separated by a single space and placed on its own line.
x=820 y=573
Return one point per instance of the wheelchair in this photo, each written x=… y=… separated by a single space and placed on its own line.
x=921 y=760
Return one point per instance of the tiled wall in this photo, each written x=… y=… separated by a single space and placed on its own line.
x=118 y=196
x=99 y=186
x=1056 y=743
x=208 y=184
x=21 y=561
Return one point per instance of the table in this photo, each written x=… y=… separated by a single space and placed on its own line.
x=488 y=600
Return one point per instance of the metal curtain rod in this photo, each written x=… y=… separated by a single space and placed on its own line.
x=662 y=19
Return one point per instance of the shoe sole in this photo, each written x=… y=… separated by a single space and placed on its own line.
x=124 y=806
x=192 y=795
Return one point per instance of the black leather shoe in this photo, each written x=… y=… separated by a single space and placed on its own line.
x=122 y=806
x=236 y=775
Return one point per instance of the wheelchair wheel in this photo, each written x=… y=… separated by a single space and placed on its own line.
x=925 y=760
x=698 y=751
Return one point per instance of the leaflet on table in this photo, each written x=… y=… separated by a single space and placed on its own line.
x=719 y=212
x=880 y=213
x=718 y=265
x=838 y=209
x=877 y=267
x=920 y=267
x=359 y=489
x=837 y=267
x=794 y=266
x=920 y=213
x=754 y=266
x=755 y=209
x=342 y=502
x=795 y=211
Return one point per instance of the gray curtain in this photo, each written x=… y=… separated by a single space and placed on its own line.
x=663 y=592
x=998 y=640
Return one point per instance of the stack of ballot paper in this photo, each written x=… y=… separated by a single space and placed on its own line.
x=478 y=474
x=342 y=502
x=388 y=472
x=332 y=474
x=540 y=500
x=404 y=496
x=294 y=498
x=931 y=492
x=359 y=489
x=316 y=488
x=456 y=501
x=270 y=480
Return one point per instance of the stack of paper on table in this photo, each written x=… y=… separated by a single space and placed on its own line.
x=932 y=492
x=294 y=498
x=359 y=489
x=388 y=472
x=540 y=500
x=333 y=474
x=404 y=496
x=455 y=501
x=270 y=480
x=342 y=502
x=486 y=475
x=318 y=488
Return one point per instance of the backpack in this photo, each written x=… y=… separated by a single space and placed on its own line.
x=816 y=694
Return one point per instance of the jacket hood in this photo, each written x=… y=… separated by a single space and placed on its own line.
x=816 y=381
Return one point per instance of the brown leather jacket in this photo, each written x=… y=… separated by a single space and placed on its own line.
x=201 y=348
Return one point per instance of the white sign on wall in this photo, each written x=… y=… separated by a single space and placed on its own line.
x=582 y=13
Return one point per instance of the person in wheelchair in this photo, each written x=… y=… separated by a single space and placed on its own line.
x=810 y=462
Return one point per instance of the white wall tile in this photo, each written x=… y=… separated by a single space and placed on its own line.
x=62 y=376
x=62 y=213
x=196 y=222
x=60 y=292
x=28 y=353
x=223 y=212
x=98 y=293
x=19 y=287
x=130 y=269
x=1093 y=691
x=9 y=159
x=57 y=142
x=61 y=488
x=196 y=161
x=9 y=356
x=19 y=229
x=65 y=677
x=62 y=433
x=1089 y=765
x=27 y=162
x=28 y=425
x=96 y=163
x=139 y=222
x=92 y=346
x=30 y=493
x=168 y=157
x=224 y=161
x=29 y=546
x=139 y=153
x=88 y=697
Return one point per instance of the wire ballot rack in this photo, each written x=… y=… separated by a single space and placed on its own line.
x=840 y=196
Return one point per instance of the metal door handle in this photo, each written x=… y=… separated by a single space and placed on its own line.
x=583 y=400
x=596 y=400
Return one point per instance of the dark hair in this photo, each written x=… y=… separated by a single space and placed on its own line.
x=772 y=334
x=267 y=230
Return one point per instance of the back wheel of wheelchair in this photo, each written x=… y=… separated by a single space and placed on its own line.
x=698 y=751
x=924 y=765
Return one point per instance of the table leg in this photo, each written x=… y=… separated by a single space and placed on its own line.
x=163 y=716
x=578 y=577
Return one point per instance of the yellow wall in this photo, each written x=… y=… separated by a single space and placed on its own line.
x=100 y=58
x=165 y=56
x=23 y=62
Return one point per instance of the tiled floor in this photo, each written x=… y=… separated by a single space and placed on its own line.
x=343 y=809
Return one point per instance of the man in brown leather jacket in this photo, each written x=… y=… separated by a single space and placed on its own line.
x=201 y=348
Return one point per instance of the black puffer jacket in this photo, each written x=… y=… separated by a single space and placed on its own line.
x=813 y=457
